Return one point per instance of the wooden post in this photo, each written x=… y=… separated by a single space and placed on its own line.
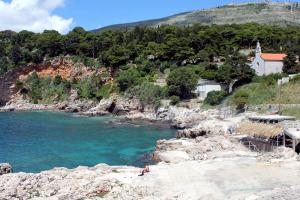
x=294 y=144
x=279 y=106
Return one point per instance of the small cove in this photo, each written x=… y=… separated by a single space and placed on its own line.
x=38 y=141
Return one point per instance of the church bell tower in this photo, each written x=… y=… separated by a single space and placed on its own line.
x=258 y=49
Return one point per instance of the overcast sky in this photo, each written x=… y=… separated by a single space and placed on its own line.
x=63 y=15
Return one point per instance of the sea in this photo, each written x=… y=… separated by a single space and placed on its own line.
x=36 y=141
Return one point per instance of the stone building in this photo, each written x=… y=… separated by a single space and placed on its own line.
x=206 y=86
x=267 y=63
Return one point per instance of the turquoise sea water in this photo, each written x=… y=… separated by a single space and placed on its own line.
x=37 y=141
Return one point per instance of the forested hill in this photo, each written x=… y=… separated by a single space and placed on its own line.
x=116 y=48
x=271 y=13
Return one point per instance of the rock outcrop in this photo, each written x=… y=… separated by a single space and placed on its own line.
x=200 y=148
x=64 y=67
x=116 y=105
x=5 y=168
x=278 y=154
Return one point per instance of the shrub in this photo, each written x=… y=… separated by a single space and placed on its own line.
x=47 y=90
x=268 y=80
x=174 y=100
x=148 y=94
x=57 y=80
x=296 y=79
x=104 y=91
x=215 y=97
x=88 y=88
x=128 y=78
x=19 y=84
x=181 y=82
x=240 y=99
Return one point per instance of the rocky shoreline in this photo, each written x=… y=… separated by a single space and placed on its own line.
x=203 y=162
x=206 y=167
x=129 y=110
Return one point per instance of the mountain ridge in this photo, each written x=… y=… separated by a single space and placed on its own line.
x=282 y=14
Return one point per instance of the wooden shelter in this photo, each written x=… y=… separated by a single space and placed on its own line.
x=260 y=136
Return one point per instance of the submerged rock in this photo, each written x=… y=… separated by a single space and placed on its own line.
x=5 y=168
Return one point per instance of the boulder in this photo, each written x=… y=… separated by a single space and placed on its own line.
x=5 y=168
x=171 y=156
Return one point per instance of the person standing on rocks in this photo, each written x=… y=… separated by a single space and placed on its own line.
x=145 y=170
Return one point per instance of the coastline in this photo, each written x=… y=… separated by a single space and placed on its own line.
x=202 y=154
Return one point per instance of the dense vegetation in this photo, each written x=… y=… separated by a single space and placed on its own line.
x=195 y=44
x=264 y=90
x=47 y=90
x=215 y=98
x=137 y=57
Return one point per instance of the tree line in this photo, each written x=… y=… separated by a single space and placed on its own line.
x=115 y=48
x=137 y=57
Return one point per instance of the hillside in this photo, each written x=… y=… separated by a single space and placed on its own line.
x=271 y=13
x=266 y=91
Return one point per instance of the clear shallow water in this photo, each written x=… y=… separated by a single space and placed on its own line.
x=37 y=141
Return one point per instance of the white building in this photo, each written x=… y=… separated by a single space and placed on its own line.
x=267 y=63
x=206 y=86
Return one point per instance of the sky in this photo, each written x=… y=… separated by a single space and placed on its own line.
x=64 y=15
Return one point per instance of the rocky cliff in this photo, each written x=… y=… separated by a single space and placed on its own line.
x=282 y=14
x=64 y=67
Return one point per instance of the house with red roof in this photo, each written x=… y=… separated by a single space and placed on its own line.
x=267 y=63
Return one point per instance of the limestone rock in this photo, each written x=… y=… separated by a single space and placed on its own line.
x=5 y=168
x=172 y=156
x=280 y=153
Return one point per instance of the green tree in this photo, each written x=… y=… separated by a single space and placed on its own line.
x=128 y=78
x=49 y=43
x=215 y=97
x=148 y=94
x=181 y=82
x=289 y=64
x=115 y=56
x=224 y=74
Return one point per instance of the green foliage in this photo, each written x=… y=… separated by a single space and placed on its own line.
x=174 y=100
x=128 y=78
x=46 y=90
x=148 y=94
x=57 y=80
x=19 y=84
x=264 y=90
x=240 y=99
x=90 y=88
x=296 y=79
x=268 y=80
x=235 y=68
x=105 y=91
x=215 y=98
x=224 y=73
x=141 y=54
x=292 y=112
x=181 y=82
x=114 y=48
x=290 y=65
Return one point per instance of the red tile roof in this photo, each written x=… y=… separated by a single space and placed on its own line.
x=273 y=56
